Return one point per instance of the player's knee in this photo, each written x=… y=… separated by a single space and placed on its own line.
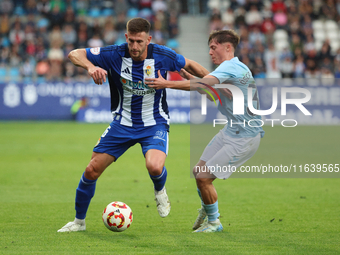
x=196 y=170
x=91 y=173
x=202 y=182
x=154 y=168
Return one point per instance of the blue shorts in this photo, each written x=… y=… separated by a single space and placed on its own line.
x=117 y=138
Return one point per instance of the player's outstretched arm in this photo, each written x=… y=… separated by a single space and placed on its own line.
x=203 y=86
x=78 y=58
x=195 y=68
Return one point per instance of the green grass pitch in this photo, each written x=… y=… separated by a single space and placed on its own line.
x=41 y=164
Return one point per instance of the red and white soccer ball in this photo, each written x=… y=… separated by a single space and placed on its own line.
x=117 y=216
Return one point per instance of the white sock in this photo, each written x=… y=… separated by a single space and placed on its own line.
x=79 y=221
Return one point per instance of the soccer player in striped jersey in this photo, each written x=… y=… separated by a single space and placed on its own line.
x=234 y=144
x=140 y=113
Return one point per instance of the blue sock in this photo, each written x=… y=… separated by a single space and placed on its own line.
x=84 y=194
x=199 y=193
x=159 y=180
x=212 y=211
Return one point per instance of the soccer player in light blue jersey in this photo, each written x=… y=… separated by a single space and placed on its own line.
x=140 y=113
x=237 y=141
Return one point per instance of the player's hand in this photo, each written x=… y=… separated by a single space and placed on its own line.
x=227 y=93
x=185 y=74
x=156 y=83
x=98 y=74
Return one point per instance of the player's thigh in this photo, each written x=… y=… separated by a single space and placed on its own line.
x=115 y=140
x=154 y=161
x=233 y=154
x=155 y=138
x=215 y=145
x=100 y=161
x=155 y=146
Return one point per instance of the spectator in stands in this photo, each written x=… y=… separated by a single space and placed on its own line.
x=240 y=19
x=296 y=42
x=31 y=7
x=327 y=77
x=286 y=67
x=109 y=33
x=329 y=10
x=6 y=6
x=173 y=26
x=69 y=17
x=299 y=67
x=17 y=35
x=68 y=34
x=27 y=69
x=280 y=19
x=259 y=69
x=55 y=17
x=95 y=41
x=325 y=51
x=272 y=57
x=253 y=17
x=216 y=22
x=15 y=56
x=4 y=24
x=121 y=7
x=279 y=5
x=44 y=7
x=159 y=5
x=228 y=19
x=256 y=36
x=174 y=7
x=55 y=57
x=55 y=36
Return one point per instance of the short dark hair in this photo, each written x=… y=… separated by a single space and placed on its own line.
x=223 y=36
x=138 y=25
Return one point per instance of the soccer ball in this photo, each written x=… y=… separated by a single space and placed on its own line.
x=117 y=216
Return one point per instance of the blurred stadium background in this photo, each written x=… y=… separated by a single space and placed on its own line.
x=296 y=42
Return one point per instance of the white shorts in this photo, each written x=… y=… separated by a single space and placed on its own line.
x=224 y=154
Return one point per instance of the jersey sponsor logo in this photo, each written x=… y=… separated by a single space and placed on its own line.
x=148 y=71
x=136 y=88
x=95 y=51
x=126 y=70
x=139 y=92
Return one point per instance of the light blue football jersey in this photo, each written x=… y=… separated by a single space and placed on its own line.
x=133 y=103
x=238 y=74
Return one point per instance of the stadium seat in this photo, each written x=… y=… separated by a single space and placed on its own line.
x=132 y=13
x=3 y=73
x=107 y=12
x=280 y=45
x=319 y=35
x=318 y=44
x=41 y=79
x=14 y=74
x=335 y=45
x=145 y=13
x=331 y=25
x=318 y=25
x=94 y=13
x=172 y=43
x=333 y=35
x=280 y=34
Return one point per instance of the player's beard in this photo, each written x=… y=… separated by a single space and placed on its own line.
x=137 y=55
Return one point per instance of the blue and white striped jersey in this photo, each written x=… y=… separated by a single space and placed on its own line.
x=133 y=103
